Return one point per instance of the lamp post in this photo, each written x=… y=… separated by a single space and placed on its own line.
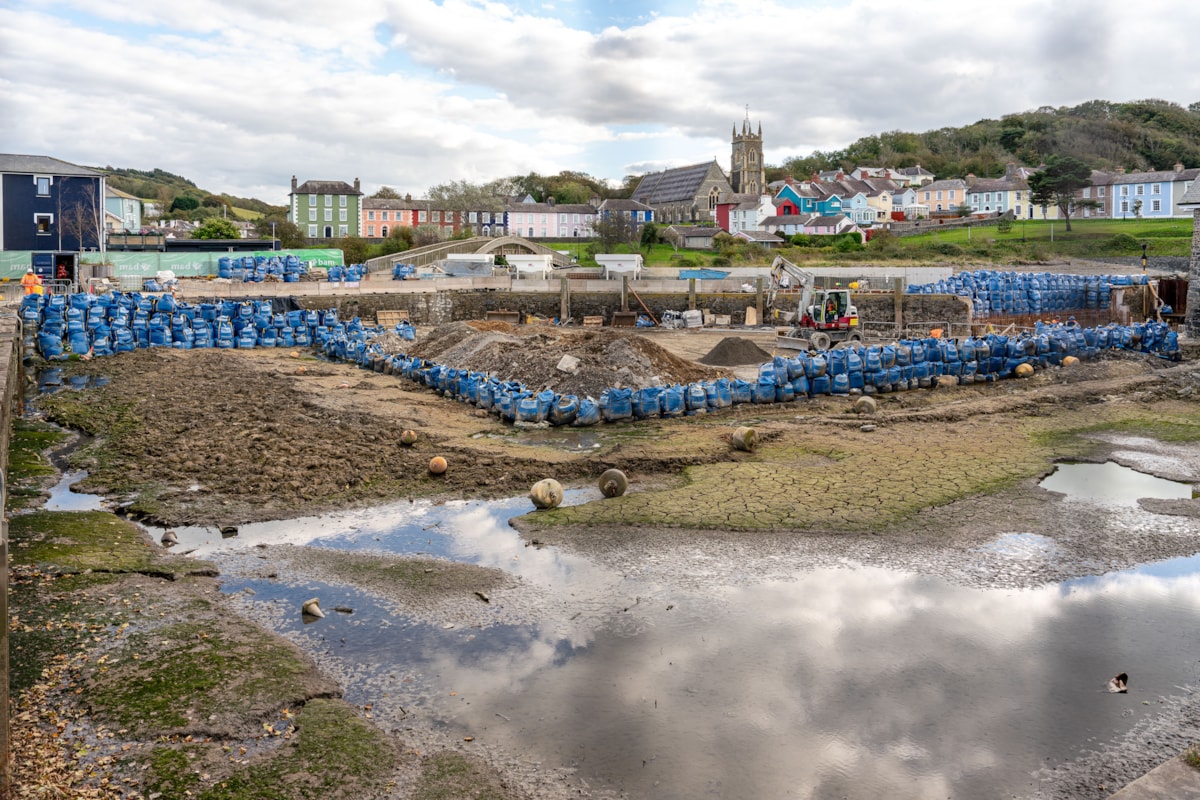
x=1144 y=245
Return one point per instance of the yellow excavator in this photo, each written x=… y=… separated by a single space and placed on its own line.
x=823 y=318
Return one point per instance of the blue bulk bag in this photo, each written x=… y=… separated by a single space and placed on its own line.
x=784 y=394
x=836 y=363
x=821 y=385
x=616 y=404
x=589 y=413
x=49 y=345
x=673 y=401
x=79 y=342
x=873 y=359
x=740 y=391
x=818 y=365
x=718 y=393
x=165 y=304
x=695 y=397
x=887 y=357
x=545 y=401
x=564 y=410
x=854 y=362
x=647 y=402
x=800 y=386
x=841 y=384
x=764 y=389
x=527 y=410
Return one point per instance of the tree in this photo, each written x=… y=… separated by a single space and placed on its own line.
x=464 y=196
x=217 y=228
x=650 y=235
x=184 y=203
x=1056 y=184
x=615 y=229
x=80 y=215
x=354 y=249
x=288 y=233
x=387 y=193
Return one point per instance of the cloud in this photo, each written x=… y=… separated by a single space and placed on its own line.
x=240 y=96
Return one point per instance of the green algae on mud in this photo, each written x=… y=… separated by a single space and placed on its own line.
x=449 y=776
x=331 y=754
x=28 y=467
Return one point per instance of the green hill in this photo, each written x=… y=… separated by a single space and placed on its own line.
x=165 y=187
x=1138 y=135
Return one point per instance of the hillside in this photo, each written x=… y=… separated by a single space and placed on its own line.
x=1137 y=135
x=163 y=186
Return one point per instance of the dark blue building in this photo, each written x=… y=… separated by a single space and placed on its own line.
x=50 y=206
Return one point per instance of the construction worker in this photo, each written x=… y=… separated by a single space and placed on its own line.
x=31 y=282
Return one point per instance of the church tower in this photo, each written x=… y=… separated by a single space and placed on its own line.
x=746 y=173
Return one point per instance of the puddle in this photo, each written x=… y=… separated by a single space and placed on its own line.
x=55 y=379
x=562 y=438
x=63 y=499
x=1111 y=484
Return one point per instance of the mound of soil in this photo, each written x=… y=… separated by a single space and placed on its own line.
x=734 y=351
x=607 y=358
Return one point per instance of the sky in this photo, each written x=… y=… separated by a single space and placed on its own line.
x=240 y=96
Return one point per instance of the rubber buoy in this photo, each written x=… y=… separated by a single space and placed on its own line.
x=744 y=439
x=312 y=608
x=546 y=493
x=1070 y=361
x=1023 y=370
x=946 y=382
x=613 y=483
x=408 y=437
x=437 y=465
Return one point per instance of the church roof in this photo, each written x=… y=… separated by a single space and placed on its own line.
x=680 y=184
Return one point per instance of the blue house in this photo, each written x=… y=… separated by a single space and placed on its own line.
x=795 y=199
x=638 y=213
x=1151 y=194
x=50 y=206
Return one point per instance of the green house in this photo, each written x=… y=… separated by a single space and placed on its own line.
x=326 y=209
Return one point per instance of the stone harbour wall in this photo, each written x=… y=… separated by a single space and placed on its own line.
x=452 y=306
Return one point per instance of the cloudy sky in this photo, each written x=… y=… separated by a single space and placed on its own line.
x=240 y=96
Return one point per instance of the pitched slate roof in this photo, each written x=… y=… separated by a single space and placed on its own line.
x=43 y=165
x=621 y=204
x=998 y=185
x=111 y=192
x=759 y=236
x=672 y=185
x=945 y=183
x=1161 y=176
x=692 y=231
x=826 y=221
x=787 y=219
x=1192 y=196
x=325 y=187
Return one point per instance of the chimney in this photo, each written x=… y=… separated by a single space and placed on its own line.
x=815 y=177
x=550 y=200
x=1010 y=169
x=1120 y=170
x=971 y=179
x=865 y=174
x=293 y=184
x=788 y=180
x=840 y=176
x=887 y=174
x=1179 y=166
x=356 y=189
x=408 y=195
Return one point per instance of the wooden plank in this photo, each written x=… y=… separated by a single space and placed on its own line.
x=389 y=318
x=594 y=321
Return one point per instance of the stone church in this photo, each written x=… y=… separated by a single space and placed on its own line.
x=689 y=195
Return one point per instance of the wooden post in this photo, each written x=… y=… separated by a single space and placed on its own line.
x=691 y=294
x=898 y=285
x=758 y=298
x=564 y=300
x=624 y=292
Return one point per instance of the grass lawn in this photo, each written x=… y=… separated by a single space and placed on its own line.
x=1164 y=237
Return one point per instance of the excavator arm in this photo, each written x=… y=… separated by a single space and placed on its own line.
x=799 y=278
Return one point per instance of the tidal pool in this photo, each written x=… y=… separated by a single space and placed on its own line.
x=843 y=681
x=1111 y=484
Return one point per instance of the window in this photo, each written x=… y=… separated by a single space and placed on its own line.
x=342 y=231
x=43 y=223
x=1156 y=189
x=1124 y=191
x=939 y=194
x=370 y=215
x=436 y=216
x=1087 y=191
x=420 y=216
x=1156 y=205
x=1101 y=191
x=487 y=216
x=342 y=198
x=1124 y=206
x=1140 y=190
x=370 y=230
x=576 y=218
x=312 y=231
x=312 y=199
x=312 y=215
x=543 y=233
x=328 y=199
x=531 y=233
x=384 y=216
x=543 y=218
x=43 y=185
x=473 y=216
x=341 y=215
x=329 y=215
